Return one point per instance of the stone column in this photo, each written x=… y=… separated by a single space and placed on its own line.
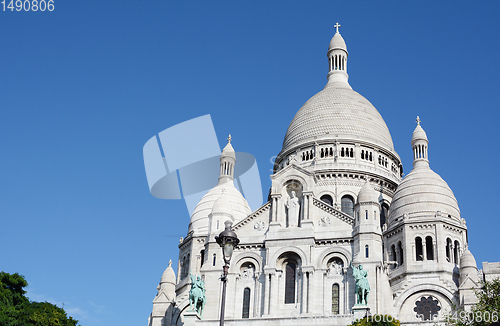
x=303 y=304
x=267 y=275
x=274 y=295
x=256 y=295
x=424 y=249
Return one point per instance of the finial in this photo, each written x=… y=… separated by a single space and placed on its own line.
x=229 y=139
x=170 y=263
x=418 y=120
x=337 y=25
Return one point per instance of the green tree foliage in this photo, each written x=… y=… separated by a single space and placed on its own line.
x=17 y=310
x=377 y=320
x=485 y=312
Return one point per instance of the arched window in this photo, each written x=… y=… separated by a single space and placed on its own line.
x=246 y=303
x=215 y=258
x=366 y=215
x=347 y=205
x=367 y=251
x=401 y=256
x=327 y=199
x=202 y=254
x=335 y=299
x=290 y=282
x=393 y=254
x=384 y=213
x=448 y=250
x=456 y=252
x=184 y=267
x=429 y=248
x=419 y=252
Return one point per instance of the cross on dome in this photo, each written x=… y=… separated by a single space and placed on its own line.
x=418 y=120
x=337 y=25
x=229 y=139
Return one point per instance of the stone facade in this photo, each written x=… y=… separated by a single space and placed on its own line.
x=338 y=198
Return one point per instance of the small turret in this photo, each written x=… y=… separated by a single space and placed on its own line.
x=167 y=282
x=163 y=303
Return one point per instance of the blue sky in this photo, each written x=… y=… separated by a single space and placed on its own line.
x=83 y=88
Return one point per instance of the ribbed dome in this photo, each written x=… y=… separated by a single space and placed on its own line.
x=337 y=42
x=422 y=193
x=239 y=205
x=337 y=112
x=367 y=194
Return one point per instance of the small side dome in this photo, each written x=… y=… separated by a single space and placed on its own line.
x=367 y=194
x=167 y=281
x=468 y=267
x=467 y=260
x=222 y=206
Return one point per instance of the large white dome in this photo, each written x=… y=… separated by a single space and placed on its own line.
x=338 y=112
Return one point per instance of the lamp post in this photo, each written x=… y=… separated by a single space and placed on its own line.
x=228 y=240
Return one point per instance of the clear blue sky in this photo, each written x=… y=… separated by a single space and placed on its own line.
x=83 y=88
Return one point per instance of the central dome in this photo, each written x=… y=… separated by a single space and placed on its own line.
x=337 y=112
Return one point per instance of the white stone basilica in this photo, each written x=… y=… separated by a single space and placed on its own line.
x=337 y=198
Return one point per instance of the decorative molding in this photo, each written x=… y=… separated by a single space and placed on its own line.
x=394 y=232
x=252 y=216
x=334 y=241
x=334 y=212
x=259 y=226
x=422 y=226
x=452 y=229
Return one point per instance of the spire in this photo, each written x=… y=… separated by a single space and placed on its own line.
x=337 y=58
x=227 y=161
x=419 y=143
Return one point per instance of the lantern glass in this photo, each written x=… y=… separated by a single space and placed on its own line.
x=228 y=250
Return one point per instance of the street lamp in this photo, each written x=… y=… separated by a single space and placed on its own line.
x=228 y=240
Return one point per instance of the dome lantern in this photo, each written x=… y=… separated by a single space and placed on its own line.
x=420 y=144
x=227 y=160
x=337 y=59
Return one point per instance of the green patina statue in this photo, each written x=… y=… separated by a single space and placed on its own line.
x=197 y=297
x=362 y=288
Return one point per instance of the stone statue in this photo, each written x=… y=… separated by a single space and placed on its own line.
x=293 y=206
x=197 y=297
x=335 y=268
x=362 y=288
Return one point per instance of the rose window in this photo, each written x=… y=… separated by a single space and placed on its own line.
x=427 y=308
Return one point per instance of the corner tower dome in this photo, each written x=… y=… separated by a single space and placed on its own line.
x=230 y=197
x=338 y=114
x=423 y=193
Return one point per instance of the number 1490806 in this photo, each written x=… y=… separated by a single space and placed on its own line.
x=28 y=5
